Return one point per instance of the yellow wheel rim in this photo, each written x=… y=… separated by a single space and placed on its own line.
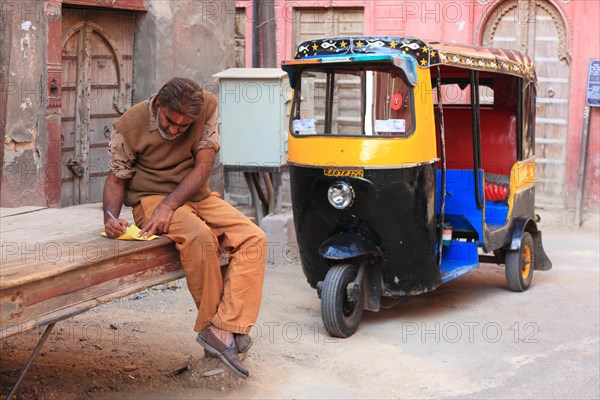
x=526 y=268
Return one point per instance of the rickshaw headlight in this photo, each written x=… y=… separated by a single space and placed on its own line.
x=340 y=195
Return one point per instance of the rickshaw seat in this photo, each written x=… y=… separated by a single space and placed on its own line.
x=498 y=139
x=496 y=193
x=460 y=209
x=498 y=155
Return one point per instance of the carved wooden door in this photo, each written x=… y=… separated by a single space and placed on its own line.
x=536 y=28
x=97 y=49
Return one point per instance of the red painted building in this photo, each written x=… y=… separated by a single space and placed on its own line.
x=562 y=36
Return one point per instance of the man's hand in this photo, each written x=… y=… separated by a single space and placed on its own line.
x=113 y=229
x=159 y=221
x=112 y=200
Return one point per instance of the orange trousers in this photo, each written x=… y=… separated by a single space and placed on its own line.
x=198 y=228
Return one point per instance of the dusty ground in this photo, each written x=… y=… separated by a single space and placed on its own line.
x=471 y=338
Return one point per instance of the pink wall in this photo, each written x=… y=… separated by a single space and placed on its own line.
x=462 y=22
x=586 y=45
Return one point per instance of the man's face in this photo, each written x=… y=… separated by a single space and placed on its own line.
x=173 y=122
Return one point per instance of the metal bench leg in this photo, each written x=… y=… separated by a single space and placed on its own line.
x=31 y=358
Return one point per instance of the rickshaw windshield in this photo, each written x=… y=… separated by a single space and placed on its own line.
x=359 y=101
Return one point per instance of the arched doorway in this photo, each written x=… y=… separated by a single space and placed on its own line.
x=536 y=27
x=96 y=88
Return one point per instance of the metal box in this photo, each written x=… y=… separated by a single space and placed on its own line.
x=253 y=118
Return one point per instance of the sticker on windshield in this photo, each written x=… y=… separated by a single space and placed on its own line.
x=390 y=125
x=305 y=125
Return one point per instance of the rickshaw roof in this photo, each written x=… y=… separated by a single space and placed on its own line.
x=425 y=54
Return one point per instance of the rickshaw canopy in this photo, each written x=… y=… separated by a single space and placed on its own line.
x=424 y=54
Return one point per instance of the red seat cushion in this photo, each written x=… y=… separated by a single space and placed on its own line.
x=498 y=139
x=495 y=192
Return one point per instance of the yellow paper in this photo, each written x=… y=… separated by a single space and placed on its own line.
x=132 y=234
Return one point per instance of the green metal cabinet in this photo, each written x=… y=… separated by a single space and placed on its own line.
x=253 y=118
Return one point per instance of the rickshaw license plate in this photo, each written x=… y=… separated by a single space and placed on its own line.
x=355 y=173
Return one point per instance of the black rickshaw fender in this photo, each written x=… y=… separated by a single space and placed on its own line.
x=521 y=225
x=345 y=246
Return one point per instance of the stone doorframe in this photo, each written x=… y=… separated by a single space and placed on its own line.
x=52 y=172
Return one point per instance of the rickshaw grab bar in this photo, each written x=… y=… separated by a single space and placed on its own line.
x=476 y=127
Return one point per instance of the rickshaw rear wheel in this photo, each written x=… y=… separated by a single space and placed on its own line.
x=340 y=314
x=519 y=265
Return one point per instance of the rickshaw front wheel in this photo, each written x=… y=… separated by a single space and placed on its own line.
x=341 y=312
x=519 y=265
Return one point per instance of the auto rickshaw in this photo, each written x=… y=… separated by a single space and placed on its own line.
x=410 y=164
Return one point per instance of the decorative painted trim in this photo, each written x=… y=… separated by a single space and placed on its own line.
x=416 y=48
x=425 y=54
x=509 y=62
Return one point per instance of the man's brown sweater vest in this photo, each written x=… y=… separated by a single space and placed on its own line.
x=160 y=164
